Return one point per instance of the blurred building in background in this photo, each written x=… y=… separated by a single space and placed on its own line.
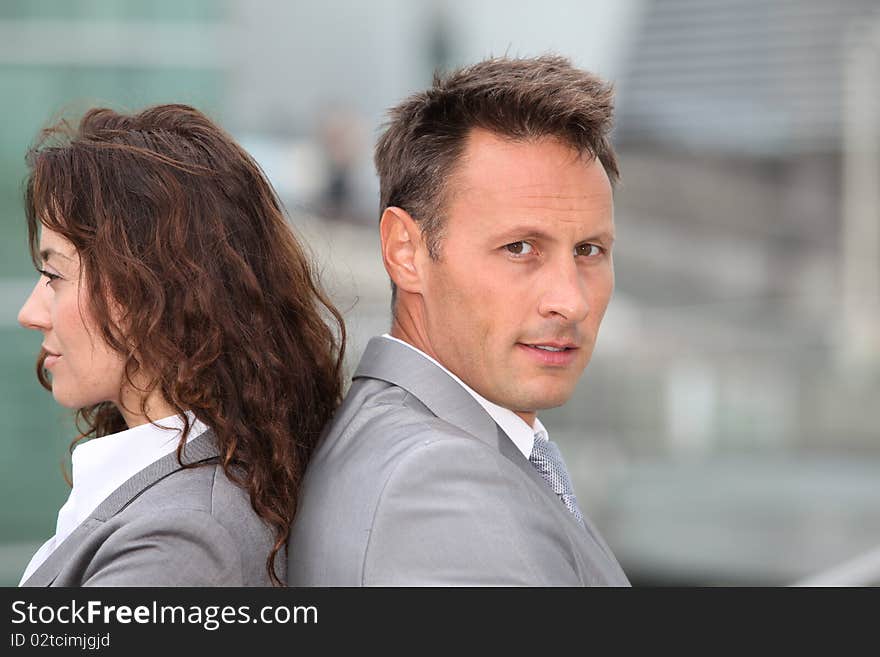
x=725 y=430
x=749 y=243
x=58 y=56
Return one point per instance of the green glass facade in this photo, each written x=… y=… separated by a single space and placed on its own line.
x=36 y=430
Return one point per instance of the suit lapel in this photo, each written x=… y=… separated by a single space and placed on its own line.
x=399 y=365
x=199 y=449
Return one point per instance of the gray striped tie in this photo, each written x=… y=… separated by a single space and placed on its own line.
x=548 y=461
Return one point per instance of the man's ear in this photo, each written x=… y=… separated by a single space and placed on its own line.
x=402 y=248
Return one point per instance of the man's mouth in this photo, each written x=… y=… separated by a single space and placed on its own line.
x=551 y=346
x=551 y=354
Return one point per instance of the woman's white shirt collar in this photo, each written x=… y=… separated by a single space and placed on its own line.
x=102 y=465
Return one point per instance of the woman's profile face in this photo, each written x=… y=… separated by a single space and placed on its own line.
x=84 y=369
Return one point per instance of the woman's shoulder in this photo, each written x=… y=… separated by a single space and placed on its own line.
x=193 y=488
x=203 y=502
x=204 y=488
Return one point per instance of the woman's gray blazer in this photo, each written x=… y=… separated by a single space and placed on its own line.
x=168 y=526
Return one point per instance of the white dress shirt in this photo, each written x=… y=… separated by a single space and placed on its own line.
x=101 y=465
x=517 y=429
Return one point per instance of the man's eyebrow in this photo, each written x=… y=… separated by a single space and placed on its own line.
x=525 y=230
x=45 y=254
x=530 y=230
x=601 y=236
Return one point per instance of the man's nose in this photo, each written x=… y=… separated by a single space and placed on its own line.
x=34 y=314
x=565 y=292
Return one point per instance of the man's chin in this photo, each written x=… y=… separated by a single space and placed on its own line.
x=540 y=402
x=543 y=392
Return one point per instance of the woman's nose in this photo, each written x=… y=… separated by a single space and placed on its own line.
x=34 y=314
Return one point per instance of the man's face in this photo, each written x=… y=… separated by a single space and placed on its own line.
x=514 y=302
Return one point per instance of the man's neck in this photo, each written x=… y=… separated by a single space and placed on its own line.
x=415 y=338
x=404 y=328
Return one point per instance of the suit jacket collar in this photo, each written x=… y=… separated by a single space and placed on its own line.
x=200 y=449
x=399 y=365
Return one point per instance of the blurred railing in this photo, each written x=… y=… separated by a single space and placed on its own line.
x=863 y=570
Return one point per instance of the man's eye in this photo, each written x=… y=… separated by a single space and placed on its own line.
x=519 y=248
x=587 y=250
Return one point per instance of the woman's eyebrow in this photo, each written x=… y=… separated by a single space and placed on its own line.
x=45 y=254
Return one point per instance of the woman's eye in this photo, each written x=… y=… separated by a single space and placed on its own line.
x=519 y=248
x=587 y=250
x=49 y=275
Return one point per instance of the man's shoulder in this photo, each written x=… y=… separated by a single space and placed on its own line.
x=380 y=431
x=388 y=414
x=384 y=451
x=382 y=435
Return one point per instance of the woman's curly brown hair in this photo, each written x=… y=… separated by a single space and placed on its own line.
x=195 y=277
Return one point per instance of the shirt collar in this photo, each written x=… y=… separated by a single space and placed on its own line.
x=103 y=464
x=519 y=432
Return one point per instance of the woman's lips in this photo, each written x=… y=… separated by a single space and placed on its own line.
x=50 y=360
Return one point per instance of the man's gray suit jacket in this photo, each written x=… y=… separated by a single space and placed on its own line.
x=413 y=483
x=168 y=526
